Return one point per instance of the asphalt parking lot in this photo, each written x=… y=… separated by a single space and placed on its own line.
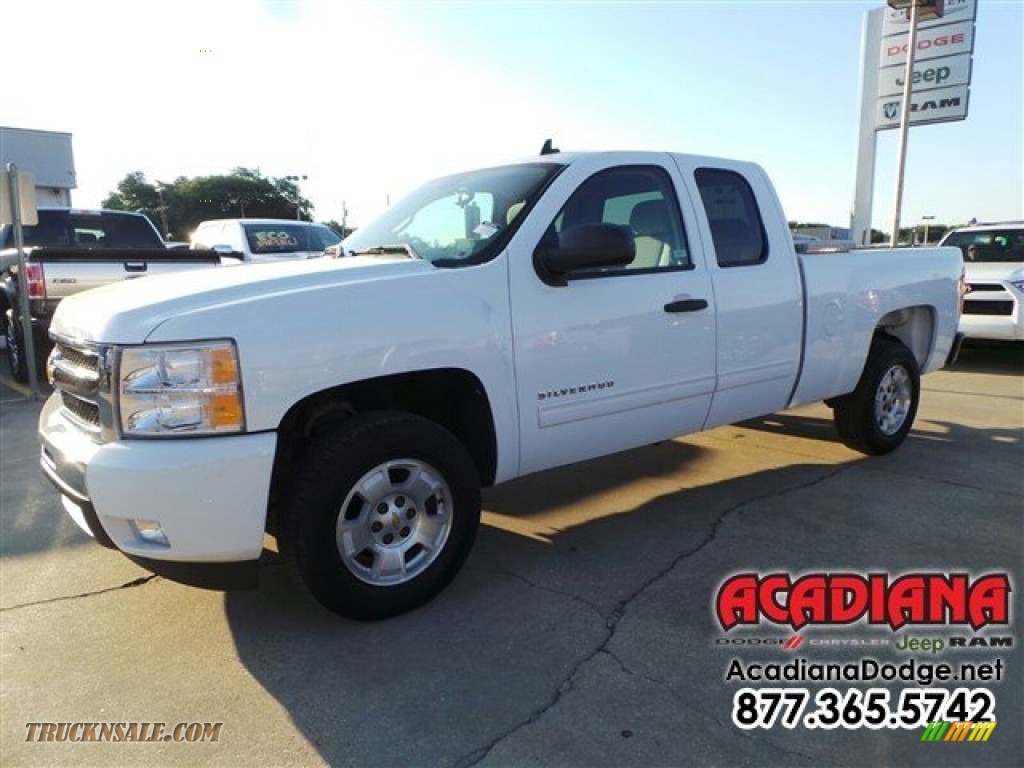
x=581 y=631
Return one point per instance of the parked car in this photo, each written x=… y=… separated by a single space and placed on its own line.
x=994 y=260
x=802 y=243
x=256 y=240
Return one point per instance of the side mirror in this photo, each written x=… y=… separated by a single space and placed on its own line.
x=588 y=246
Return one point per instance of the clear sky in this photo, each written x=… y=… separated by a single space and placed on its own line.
x=369 y=98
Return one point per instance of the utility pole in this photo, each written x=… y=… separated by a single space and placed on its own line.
x=916 y=9
x=926 y=220
x=163 y=211
x=298 y=197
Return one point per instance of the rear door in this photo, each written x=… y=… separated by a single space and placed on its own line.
x=758 y=288
x=618 y=357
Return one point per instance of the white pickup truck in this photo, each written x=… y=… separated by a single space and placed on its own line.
x=492 y=324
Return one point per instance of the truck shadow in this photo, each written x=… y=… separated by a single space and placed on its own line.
x=492 y=649
x=1000 y=358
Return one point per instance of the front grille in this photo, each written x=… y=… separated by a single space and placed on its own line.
x=998 y=308
x=78 y=358
x=83 y=410
x=79 y=376
x=979 y=287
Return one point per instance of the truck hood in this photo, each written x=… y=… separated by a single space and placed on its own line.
x=128 y=312
x=994 y=270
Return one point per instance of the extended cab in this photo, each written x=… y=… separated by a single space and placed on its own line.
x=71 y=250
x=492 y=324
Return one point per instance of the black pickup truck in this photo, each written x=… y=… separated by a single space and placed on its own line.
x=71 y=250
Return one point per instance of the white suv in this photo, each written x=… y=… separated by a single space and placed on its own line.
x=257 y=240
x=994 y=259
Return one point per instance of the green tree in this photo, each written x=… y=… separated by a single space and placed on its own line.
x=343 y=232
x=135 y=193
x=179 y=206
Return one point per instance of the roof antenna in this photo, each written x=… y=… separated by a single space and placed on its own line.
x=547 y=149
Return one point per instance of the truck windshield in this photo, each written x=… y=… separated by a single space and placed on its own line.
x=456 y=220
x=989 y=245
x=289 y=238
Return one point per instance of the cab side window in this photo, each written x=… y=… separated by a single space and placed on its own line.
x=640 y=198
x=736 y=226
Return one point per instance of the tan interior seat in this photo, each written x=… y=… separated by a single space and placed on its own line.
x=652 y=235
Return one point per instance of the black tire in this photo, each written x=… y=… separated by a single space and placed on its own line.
x=350 y=486
x=15 y=350
x=878 y=415
x=16 y=353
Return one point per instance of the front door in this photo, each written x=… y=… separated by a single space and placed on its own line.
x=619 y=357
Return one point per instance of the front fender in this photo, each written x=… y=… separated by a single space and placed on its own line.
x=292 y=345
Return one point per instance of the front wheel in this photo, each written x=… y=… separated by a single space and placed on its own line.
x=877 y=416
x=382 y=514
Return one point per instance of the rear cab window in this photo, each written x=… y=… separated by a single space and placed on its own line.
x=737 y=229
x=91 y=229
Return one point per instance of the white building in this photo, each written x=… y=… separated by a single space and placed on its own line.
x=47 y=156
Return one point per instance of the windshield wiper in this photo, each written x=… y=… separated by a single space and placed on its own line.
x=386 y=250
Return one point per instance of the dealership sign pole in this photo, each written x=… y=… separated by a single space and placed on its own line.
x=908 y=87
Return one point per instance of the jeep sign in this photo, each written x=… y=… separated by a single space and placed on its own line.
x=928 y=75
x=936 y=106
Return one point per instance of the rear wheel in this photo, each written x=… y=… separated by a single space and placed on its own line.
x=381 y=514
x=877 y=416
x=16 y=354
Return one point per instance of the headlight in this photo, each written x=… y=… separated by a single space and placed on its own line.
x=1018 y=284
x=192 y=389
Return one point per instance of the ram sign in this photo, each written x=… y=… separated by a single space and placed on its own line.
x=938 y=106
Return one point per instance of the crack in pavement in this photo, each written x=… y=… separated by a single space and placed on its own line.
x=979 y=395
x=542 y=588
x=615 y=616
x=942 y=481
x=664 y=685
x=127 y=585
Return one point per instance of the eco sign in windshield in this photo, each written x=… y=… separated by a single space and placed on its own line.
x=288 y=238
